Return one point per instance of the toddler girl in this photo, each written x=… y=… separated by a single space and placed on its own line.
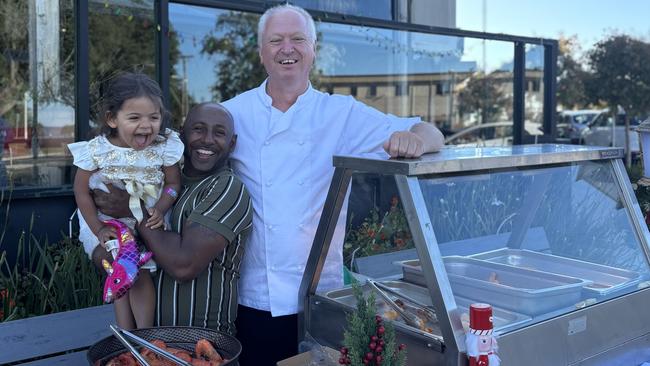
x=133 y=153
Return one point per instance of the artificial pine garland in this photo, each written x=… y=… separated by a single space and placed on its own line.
x=368 y=341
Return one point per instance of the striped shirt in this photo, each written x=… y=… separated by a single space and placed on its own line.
x=221 y=203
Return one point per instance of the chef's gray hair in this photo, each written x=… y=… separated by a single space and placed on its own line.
x=261 y=25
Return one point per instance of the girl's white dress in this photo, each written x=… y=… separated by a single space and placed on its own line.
x=137 y=171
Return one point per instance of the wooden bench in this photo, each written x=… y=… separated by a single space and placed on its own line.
x=55 y=339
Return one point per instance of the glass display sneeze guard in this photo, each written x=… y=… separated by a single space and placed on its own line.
x=531 y=204
x=546 y=240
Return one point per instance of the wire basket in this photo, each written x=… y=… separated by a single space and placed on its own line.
x=177 y=337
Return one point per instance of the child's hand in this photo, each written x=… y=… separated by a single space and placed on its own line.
x=106 y=233
x=155 y=220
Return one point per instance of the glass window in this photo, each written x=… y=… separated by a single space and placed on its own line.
x=219 y=59
x=217 y=55
x=400 y=90
x=122 y=38
x=454 y=82
x=37 y=93
x=445 y=78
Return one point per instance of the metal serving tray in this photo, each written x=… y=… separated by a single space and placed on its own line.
x=606 y=280
x=518 y=289
x=345 y=297
x=503 y=320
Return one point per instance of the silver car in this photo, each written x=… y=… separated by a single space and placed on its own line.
x=608 y=130
x=572 y=125
x=490 y=134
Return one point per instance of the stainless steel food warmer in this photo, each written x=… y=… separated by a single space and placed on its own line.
x=551 y=236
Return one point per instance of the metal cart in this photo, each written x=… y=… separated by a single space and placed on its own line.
x=551 y=236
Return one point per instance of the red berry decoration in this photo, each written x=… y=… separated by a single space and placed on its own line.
x=401 y=347
x=368 y=342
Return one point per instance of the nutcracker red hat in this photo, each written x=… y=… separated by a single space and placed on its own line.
x=480 y=319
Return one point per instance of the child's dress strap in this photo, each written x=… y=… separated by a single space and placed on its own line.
x=81 y=155
x=173 y=150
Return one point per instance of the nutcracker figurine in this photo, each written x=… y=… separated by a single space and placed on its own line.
x=480 y=341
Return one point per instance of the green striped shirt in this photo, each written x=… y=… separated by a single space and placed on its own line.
x=221 y=203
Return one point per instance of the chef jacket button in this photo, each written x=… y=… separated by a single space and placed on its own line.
x=268 y=184
x=266 y=143
x=302 y=226
x=270 y=227
x=301 y=142
x=301 y=182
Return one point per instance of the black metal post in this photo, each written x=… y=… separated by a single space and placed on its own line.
x=550 y=88
x=82 y=74
x=163 y=71
x=518 y=94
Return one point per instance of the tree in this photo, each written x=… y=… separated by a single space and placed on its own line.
x=14 y=60
x=621 y=74
x=239 y=67
x=482 y=95
x=572 y=76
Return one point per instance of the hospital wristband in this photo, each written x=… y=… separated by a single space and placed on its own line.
x=171 y=192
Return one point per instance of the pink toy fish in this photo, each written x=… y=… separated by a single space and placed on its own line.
x=124 y=270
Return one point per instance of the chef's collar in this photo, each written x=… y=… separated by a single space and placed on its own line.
x=268 y=101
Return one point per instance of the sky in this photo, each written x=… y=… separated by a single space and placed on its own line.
x=590 y=20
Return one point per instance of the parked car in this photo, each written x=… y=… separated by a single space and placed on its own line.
x=572 y=125
x=490 y=134
x=608 y=129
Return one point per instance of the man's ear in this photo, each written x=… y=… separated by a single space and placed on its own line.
x=233 y=142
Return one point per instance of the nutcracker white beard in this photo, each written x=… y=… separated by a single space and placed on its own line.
x=482 y=345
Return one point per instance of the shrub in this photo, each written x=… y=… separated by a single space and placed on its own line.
x=47 y=278
x=379 y=233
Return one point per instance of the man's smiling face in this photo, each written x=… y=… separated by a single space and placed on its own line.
x=287 y=50
x=209 y=139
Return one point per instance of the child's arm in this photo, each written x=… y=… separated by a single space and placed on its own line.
x=88 y=208
x=170 y=192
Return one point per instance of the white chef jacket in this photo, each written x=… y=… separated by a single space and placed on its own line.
x=285 y=161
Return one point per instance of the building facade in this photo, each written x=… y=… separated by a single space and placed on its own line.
x=401 y=56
